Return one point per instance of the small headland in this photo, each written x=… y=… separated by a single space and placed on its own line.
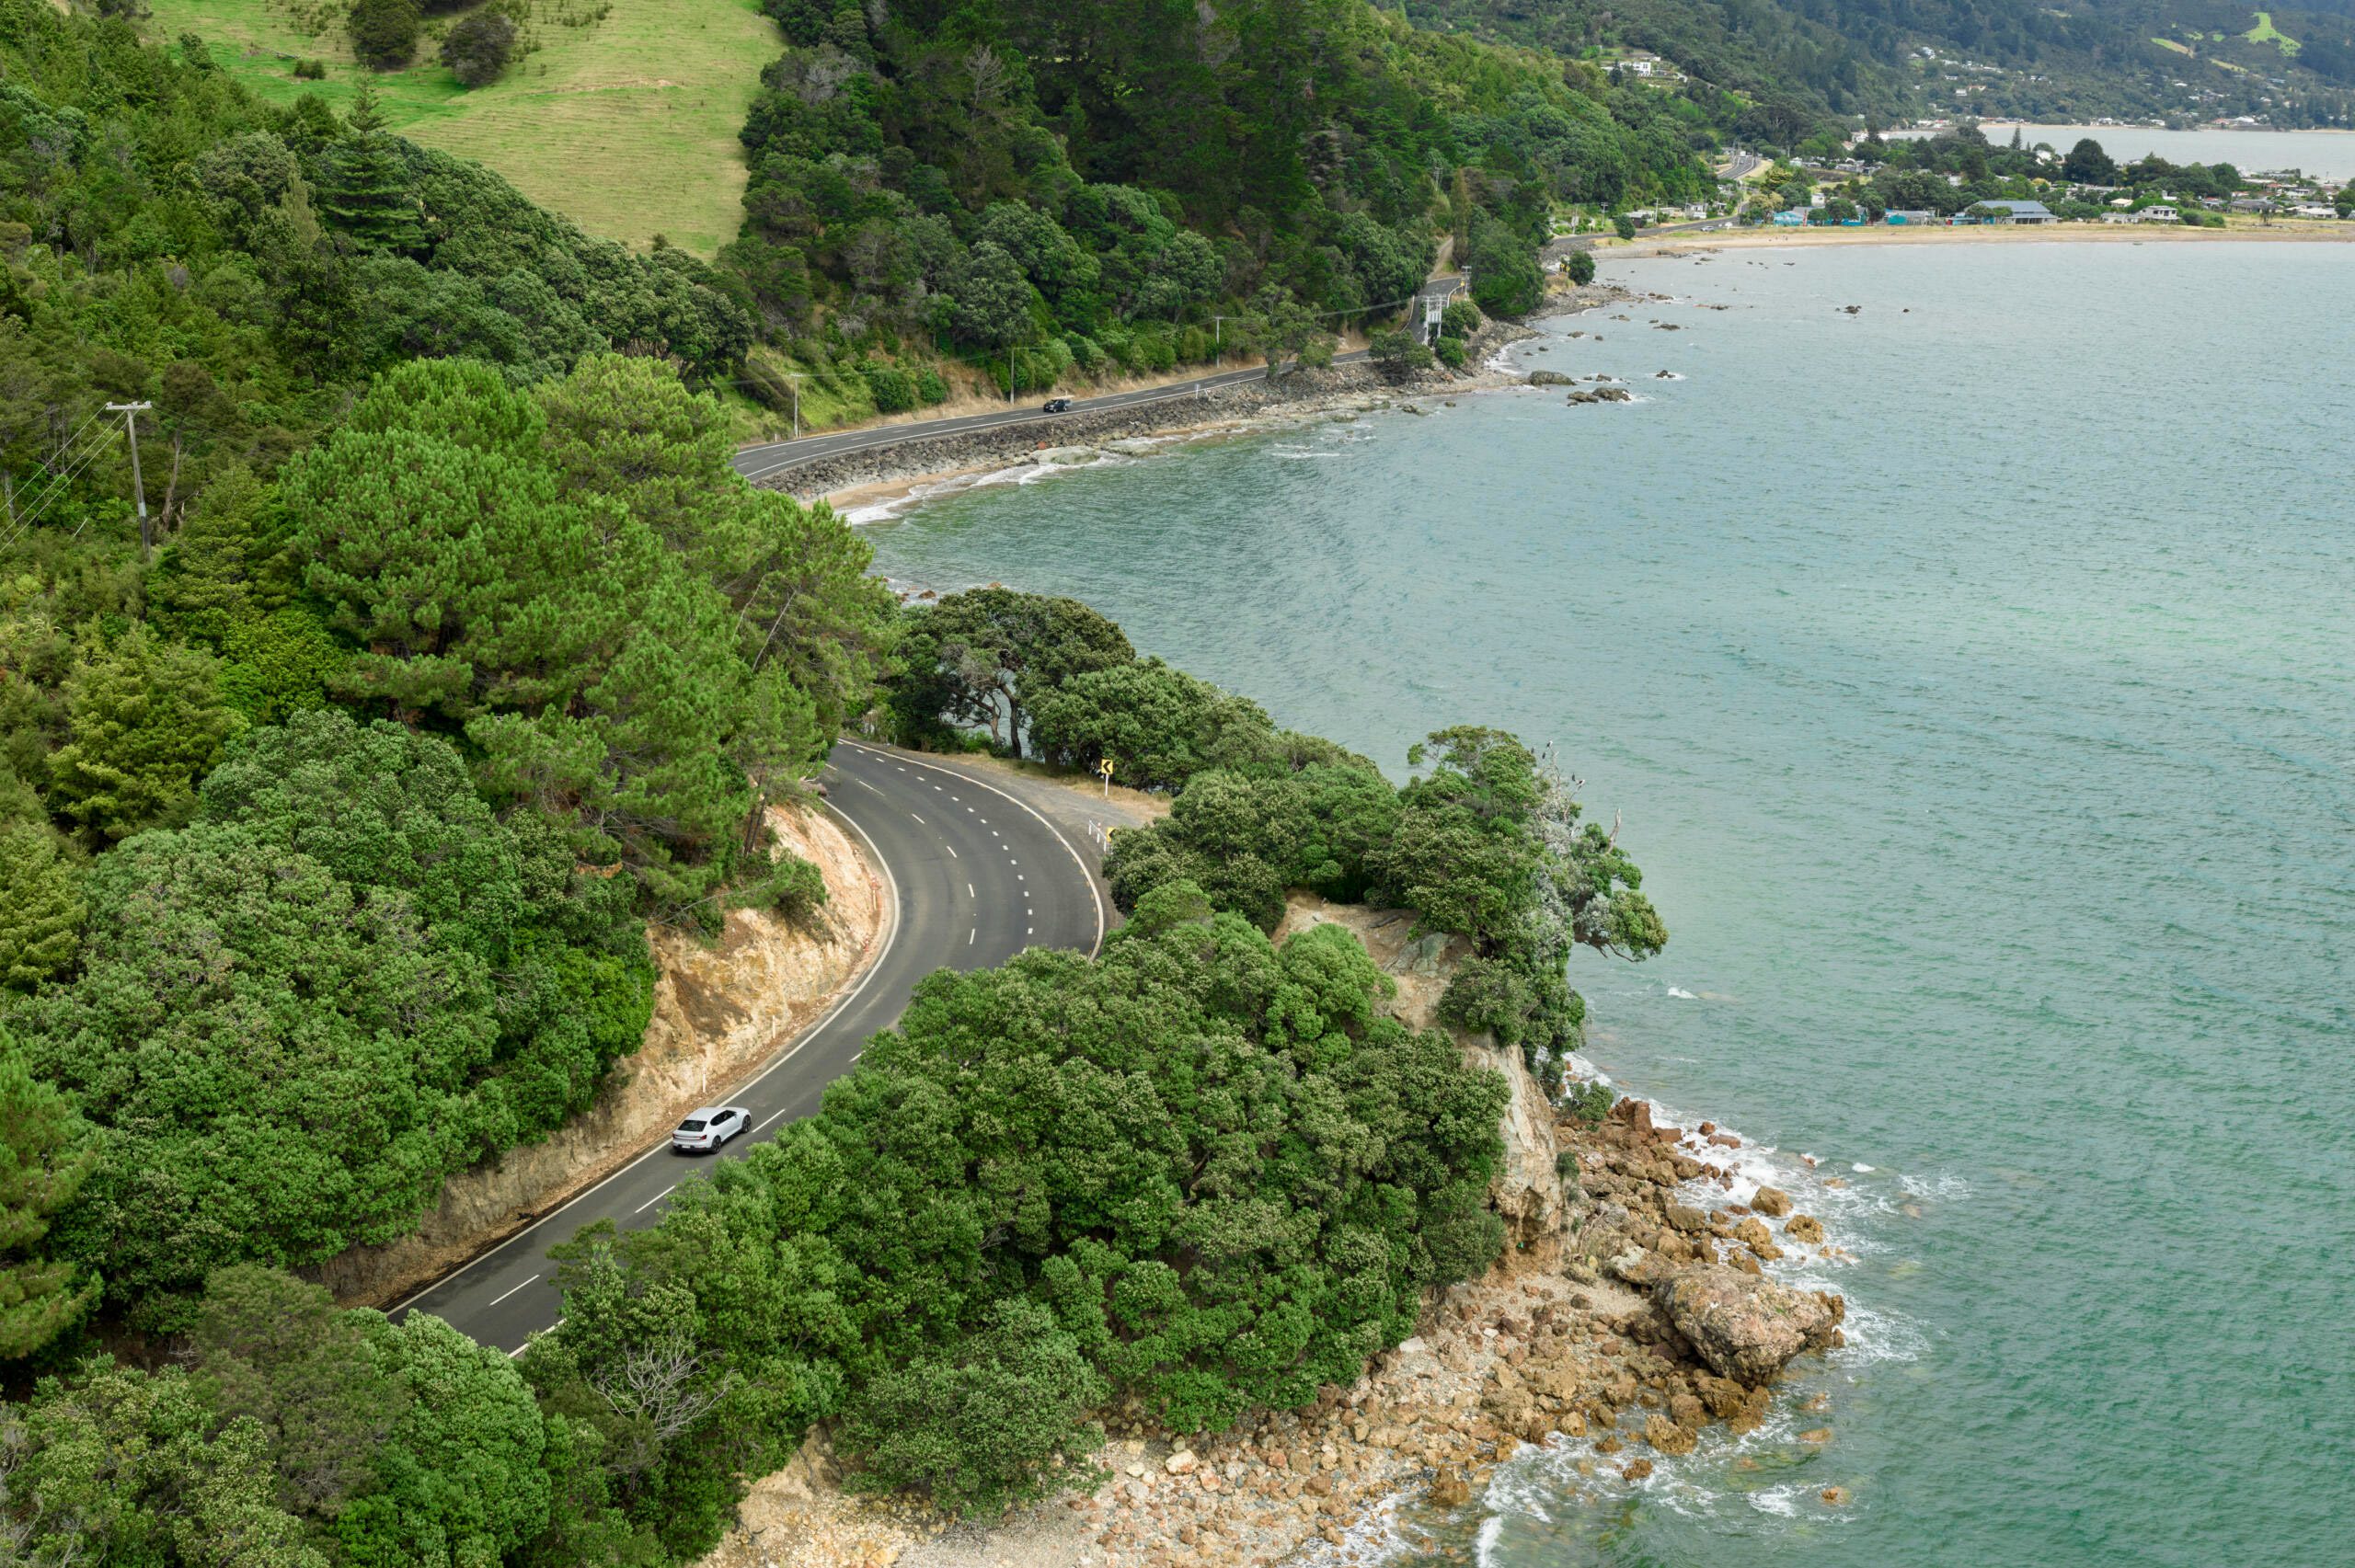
x=1630 y=1311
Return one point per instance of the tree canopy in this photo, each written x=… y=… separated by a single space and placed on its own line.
x=1203 y=1170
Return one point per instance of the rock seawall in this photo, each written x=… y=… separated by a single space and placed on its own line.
x=721 y=1009
x=1006 y=445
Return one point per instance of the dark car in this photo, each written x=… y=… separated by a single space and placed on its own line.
x=1057 y=406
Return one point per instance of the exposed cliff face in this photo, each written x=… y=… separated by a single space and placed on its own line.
x=721 y=1009
x=1527 y=1191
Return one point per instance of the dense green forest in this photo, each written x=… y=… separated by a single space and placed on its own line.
x=339 y=785
x=337 y=790
x=1795 y=63
x=1083 y=188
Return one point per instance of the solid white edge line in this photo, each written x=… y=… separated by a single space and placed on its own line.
x=1086 y=876
x=504 y=1294
x=891 y=890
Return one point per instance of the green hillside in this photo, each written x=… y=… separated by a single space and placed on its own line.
x=2183 y=60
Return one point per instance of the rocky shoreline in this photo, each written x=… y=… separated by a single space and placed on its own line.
x=1357 y=388
x=1631 y=1312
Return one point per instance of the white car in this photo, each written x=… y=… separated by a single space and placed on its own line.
x=708 y=1126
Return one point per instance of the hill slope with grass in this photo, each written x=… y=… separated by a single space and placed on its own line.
x=620 y=114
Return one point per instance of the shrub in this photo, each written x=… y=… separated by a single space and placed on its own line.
x=1580 y=266
x=1623 y=225
x=1399 y=351
x=930 y=387
x=980 y=1427
x=383 y=32
x=793 y=889
x=894 y=389
x=480 y=46
x=1590 y=1101
x=1460 y=319
x=1450 y=353
x=310 y=70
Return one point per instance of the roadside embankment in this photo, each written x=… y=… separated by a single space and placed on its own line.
x=721 y=1008
x=1630 y=1311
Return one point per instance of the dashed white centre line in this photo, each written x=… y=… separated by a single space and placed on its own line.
x=971 y=935
x=969 y=891
x=504 y=1294
x=951 y=849
x=657 y=1197
x=919 y=819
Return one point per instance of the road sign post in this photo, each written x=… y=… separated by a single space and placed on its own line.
x=1105 y=767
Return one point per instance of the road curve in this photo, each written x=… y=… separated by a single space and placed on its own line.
x=975 y=876
x=758 y=463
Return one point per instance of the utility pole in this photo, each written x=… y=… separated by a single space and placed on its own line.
x=131 y=412
x=796 y=377
x=1218 y=337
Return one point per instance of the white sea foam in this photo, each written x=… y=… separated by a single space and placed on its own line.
x=1861 y=1168
x=1682 y=994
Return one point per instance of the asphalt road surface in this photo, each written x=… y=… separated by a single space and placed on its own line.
x=758 y=463
x=976 y=878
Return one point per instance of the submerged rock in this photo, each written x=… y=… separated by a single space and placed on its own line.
x=1549 y=378
x=1745 y=1327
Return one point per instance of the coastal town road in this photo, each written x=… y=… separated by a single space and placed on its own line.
x=974 y=875
x=758 y=463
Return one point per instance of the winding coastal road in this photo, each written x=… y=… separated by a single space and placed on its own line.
x=974 y=876
x=758 y=463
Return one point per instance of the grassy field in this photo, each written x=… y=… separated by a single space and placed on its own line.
x=624 y=118
x=2266 y=32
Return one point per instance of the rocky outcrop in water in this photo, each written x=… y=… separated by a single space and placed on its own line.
x=1745 y=1327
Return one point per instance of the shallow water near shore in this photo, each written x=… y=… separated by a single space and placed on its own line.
x=1976 y=677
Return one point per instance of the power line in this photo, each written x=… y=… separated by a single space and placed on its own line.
x=61 y=478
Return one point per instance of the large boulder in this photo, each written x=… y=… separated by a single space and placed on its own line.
x=1746 y=1327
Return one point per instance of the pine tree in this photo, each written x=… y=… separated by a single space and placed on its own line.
x=226 y=564
x=44 y=1155
x=144 y=721
x=367 y=195
x=41 y=905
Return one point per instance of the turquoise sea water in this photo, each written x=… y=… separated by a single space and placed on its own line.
x=1976 y=677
